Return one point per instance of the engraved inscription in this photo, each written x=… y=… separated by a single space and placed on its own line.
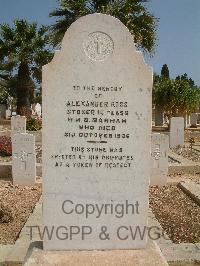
x=98 y=46
x=22 y=156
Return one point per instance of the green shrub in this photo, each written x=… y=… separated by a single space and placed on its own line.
x=33 y=124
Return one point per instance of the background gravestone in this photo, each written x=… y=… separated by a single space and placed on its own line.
x=8 y=113
x=18 y=125
x=193 y=119
x=176 y=136
x=96 y=137
x=159 y=155
x=23 y=159
x=2 y=111
x=38 y=109
x=159 y=116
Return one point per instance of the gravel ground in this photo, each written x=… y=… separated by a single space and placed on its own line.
x=178 y=215
x=188 y=153
x=193 y=134
x=181 y=177
x=16 y=204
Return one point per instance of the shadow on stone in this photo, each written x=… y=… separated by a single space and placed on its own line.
x=32 y=246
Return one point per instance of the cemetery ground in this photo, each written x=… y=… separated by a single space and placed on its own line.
x=174 y=210
x=16 y=204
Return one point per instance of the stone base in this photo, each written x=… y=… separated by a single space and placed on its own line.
x=151 y=256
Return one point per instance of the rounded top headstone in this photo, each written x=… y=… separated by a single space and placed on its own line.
x=97 y=38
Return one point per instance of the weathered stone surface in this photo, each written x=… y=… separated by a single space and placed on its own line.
x=2 y=111
x=159 y=156
x=176 y=132
x=150 y=256
x=8 y=113
x=159 y=116
x=193 y=119
x=23 y=159
x=181 y=254
x=38 y=109
x=18 y=125
x=96 y=137
x=192 y=189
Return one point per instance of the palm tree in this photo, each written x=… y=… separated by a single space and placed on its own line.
x=132 y=13
x=23 y=50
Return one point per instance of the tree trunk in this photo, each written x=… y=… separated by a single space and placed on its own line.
x=24 y=90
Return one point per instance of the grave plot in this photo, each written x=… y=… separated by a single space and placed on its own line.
x=192 y=134
x=172 y=160
x=16 y=204
x=189 y=152
x=178 y=214
x=178 y=177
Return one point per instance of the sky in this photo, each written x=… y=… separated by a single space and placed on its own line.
x=178 y=31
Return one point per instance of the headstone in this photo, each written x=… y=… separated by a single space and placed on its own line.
x=2 y=111
x=8 y=113
x=198 y=118
x=193 y=119
x=186 y=121
x=159 y=156
x=33 y=109
x=18 y=125
x=23 y=159
x=176 y=132
x=159 y=116
x=38 y=109
x=96 y=138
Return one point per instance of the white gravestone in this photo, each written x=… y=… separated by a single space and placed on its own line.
x=38 y=109
x=159 y=156
x=23 y=159
x=18 y=125
x=96 y=138
x=176 y=136
x=8 y=113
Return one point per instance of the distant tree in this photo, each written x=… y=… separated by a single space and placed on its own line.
x=191 y=82
x=162 y=93
x=7 y=81
x=156 y=78
x=23 y=50
x=176 y=97
x=185 y=77
x=4 y=95
x=132 y=13
x=186 y=98
x=165 y=71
